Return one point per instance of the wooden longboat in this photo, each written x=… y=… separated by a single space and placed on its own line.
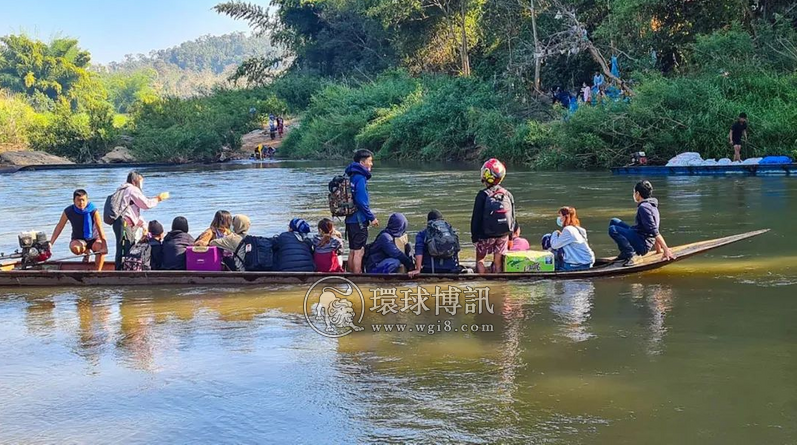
x=73 y=273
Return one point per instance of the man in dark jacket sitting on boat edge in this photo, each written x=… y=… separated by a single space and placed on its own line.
x=635 y=241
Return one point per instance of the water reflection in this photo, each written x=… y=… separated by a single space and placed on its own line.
x=572 y=303
x=656 y=301
x=40 y=316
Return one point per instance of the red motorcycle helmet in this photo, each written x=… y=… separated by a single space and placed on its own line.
x=493 y=172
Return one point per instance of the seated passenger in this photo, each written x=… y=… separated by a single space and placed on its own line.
x=87 y=233
x=436 y=247
x=174 y=245
x=155 y=241
x=516 y=243
x=229 y=244
x=637 y=240
x=383 y=255
x=219 y=228
x=570 y=245
x=293 y=250
x=327 y=246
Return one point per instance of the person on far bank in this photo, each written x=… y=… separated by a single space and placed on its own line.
x=493 y=218
x=635 y=241
x=87 y=233
x=129 y=228
x=737 y=133
x=359 y=172
x=436 y=247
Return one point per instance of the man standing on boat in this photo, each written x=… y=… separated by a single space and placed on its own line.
x=641 y=238
x=359 y=172
x=738 y=131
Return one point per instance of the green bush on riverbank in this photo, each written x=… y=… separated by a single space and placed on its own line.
x=401 y=117
x=196 y=129
x=443 y=117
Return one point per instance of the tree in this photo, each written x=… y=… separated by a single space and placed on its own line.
x=31 y=67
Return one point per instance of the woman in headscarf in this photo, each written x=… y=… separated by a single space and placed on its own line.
x=293 y=250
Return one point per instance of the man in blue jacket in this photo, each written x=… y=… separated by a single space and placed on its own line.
x=639 y=239
x=359 y=172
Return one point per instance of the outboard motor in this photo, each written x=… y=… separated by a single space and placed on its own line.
x=35 y=248
x=639 y=158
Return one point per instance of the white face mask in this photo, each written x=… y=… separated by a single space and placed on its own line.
x=559 y=221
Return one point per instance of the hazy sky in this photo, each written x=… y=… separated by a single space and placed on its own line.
x=112 y=28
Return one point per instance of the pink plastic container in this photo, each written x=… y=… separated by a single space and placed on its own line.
x=203 y=258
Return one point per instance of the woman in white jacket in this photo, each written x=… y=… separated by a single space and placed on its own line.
x=571 y=242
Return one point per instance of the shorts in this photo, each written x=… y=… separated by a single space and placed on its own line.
x=357 y=236
x=487 y=246
x=88 y=242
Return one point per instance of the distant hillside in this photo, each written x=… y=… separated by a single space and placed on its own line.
x=196 y=66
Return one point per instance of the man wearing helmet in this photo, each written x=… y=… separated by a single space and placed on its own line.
x=493 y=217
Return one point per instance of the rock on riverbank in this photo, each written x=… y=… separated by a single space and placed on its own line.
x=23 y=158
x=118 y=155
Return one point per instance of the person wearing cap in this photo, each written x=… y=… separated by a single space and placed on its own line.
x=424 y=261
x=174 y=245
x=155 y=240
x=293 y=250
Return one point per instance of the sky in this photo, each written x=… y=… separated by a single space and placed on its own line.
x=112 y=28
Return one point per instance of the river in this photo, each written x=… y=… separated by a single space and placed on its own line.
x=703 y=351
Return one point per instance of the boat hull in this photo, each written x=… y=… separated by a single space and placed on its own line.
x=69 y=274
x=710 y=170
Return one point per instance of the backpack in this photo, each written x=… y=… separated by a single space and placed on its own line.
x=115 y=206
x=498 y=217
x=442 y=240
x=255 y=253
x=341 y=199
x=138 y=258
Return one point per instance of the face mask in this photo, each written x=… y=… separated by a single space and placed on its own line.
x=559 y=221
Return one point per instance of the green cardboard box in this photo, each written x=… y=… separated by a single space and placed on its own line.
x=529 y=261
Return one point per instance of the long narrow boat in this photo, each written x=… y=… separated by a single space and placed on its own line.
x=72 y=273
x=710 y=170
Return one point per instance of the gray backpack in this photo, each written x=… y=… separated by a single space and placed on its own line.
x=115 y=206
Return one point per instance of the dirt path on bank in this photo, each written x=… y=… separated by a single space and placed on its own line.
x=251 y=140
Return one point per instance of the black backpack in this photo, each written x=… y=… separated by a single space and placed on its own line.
x=255 y=253
x=115 y=206
x=442 y=240
x=498 y=217
x=138 y=258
